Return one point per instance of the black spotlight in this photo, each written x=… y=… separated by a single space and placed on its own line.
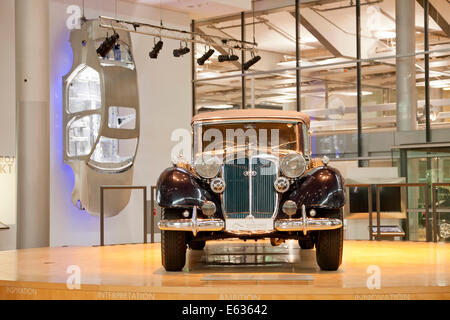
x=181 y=52
x=227 y=57
x=205 y=57
x=156 y=50
x=107 y=45
x=250 y=63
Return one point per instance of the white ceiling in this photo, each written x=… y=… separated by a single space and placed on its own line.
x=269 y=39
x=199 y=9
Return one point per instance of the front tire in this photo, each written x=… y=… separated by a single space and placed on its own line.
x=173 y=245
x=329 y=247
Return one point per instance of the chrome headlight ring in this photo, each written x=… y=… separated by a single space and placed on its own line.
x=293 y=165
x=290 y=208
x=207 y=167
x=218 y=185
x=282 y=184
x=209 y=208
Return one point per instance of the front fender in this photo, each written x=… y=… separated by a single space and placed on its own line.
x=178 y=188
x=321 y=188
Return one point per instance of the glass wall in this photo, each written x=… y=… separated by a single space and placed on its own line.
x=432 y=168
x=328 y=60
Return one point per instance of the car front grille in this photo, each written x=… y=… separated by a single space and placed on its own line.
x=250 y=189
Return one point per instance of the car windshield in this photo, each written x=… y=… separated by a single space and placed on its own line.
x=264 y=137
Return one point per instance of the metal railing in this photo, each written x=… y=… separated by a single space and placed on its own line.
x=377 y=187
x=102 y=210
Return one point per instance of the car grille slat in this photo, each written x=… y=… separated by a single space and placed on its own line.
x=237 y=193
x=263 y=200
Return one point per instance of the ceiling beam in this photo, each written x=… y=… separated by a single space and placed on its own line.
x=437 y=17
x=309 y=26
x=266 y=7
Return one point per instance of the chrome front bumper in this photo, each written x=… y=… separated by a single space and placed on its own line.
x=189 y=225
x=193 y=225
x=304 y=224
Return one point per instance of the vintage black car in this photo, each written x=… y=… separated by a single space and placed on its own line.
x=252 y=177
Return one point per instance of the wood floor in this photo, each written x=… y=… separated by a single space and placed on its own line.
x=230 y=270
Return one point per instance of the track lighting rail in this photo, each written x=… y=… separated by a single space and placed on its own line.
x=177 y=34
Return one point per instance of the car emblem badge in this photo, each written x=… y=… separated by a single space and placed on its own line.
x=252 y=173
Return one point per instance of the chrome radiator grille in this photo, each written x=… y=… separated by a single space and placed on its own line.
x=250 y=188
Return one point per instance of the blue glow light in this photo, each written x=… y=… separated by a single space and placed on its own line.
x=62 y=176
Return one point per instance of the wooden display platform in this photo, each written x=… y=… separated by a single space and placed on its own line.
x=230 y=270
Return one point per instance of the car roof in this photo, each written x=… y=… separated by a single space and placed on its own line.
x=251 y=114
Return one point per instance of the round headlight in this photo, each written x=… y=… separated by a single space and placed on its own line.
x=207 y=167
x=209 y=208
x=282 y=184
x=218 y=185
x=290 y=208
x=293 y=165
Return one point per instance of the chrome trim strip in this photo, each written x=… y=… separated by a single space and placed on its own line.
x=253 y=120
x=309 y=224
x=222 y=205
x=194 y=221
x=305 y=220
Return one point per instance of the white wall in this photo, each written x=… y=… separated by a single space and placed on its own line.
x=7 y=125
x=165 y=101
